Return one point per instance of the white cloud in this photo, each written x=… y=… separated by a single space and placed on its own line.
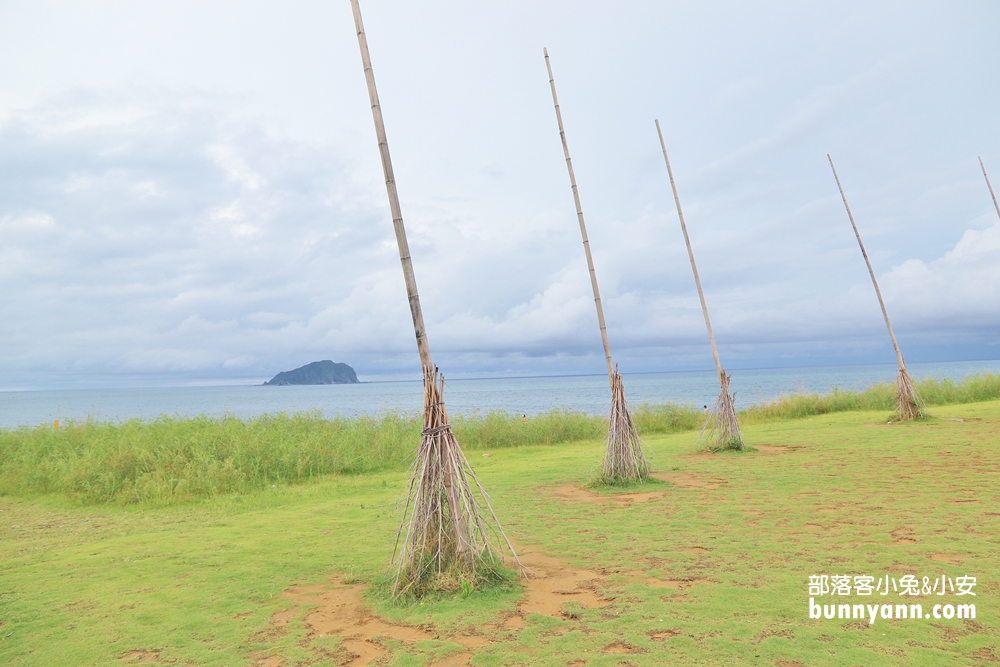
x=960 y=288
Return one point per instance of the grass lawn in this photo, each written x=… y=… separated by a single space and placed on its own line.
x=709 y=567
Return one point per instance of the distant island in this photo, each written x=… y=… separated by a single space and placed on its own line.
x=318 y=372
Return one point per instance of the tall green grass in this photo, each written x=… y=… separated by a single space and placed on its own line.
x=169 y=460
x=172 y=459
x=978 y=387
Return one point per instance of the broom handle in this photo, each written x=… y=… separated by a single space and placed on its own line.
x=687 y=241
x=583 y=226
x=390 y=186
x=989 y=185
x=878 y=293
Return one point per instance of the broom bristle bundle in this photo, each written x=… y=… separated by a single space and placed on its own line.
x=722 y=425
x=443 y=540
x=908 y=404
x=624 y=461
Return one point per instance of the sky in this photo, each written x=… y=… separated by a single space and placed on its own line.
x=191 y=192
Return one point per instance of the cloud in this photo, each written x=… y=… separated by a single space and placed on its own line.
x=152 y=229
x=960 y=289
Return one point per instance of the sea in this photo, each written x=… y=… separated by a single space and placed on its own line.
x=517 y=395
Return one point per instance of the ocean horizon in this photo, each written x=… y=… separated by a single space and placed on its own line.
x=529 y=394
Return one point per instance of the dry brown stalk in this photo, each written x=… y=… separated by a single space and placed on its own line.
x=624 y=460
x=907 y=402
x=443 y=523
x=722 y=425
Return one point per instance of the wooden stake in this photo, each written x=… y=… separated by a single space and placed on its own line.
x=989 y=185
x=583 y=226
x=390 y=186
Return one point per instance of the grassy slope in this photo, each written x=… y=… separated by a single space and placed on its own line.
x=86 y=585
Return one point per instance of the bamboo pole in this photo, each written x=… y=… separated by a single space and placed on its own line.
x=687 y=242
x=878 y=293
x=907 y=401
x=989 y=185
x=390 y=186
x=624 y=460
x=583 y=225
x=725 y=427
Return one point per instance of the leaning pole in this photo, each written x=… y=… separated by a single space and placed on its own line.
x=989 y=185
x=624 y=460
x=722 y=424
x=907 y=401
x=443 y=534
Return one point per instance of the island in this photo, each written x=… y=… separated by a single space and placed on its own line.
x=318 y=372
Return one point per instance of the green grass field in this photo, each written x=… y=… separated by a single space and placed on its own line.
x=709 y=568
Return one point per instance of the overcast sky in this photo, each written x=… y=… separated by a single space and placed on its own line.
x=191 y=191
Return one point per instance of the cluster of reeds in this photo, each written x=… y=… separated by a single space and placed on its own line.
x=443 y=541
x=624 y=461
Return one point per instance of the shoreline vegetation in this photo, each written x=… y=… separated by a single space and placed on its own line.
x=171 y=460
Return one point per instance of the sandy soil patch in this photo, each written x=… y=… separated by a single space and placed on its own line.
x=676 y=584
x=686 y=480
x=553 y=582
x=771 y=450
x=949 y=559
x=903 y=535
x=339 y=610
x=571 y=493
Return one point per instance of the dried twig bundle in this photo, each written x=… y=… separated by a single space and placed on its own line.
x=624 y=460
x=443 y=541
x=908 y=403
x=722 y=426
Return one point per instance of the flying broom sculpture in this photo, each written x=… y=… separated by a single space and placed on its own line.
x=907 y=401
x=443 y=540
x=624 y=460
x=722 y=426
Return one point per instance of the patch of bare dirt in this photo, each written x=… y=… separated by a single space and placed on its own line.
x=949 y=559
x=663 y=635
x=454 y=660
x=576 y=494
x=552 y=583
x=267 y=660
x=986 y=653
x=621 y=647
x=686 y=480
x=337 y=609
x=676 y=584
x=772 y=450
x=903 y=535
x=341 y=612
x=142 y=656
